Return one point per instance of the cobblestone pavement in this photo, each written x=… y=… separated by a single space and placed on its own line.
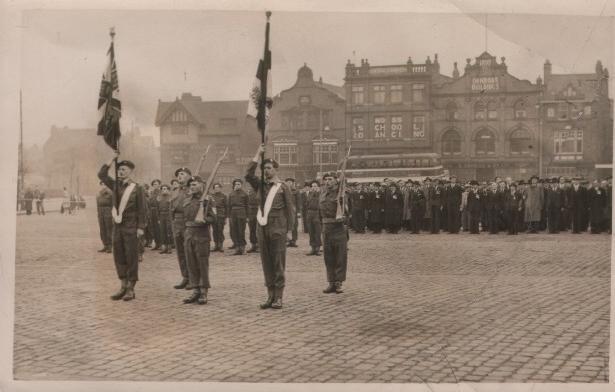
x=426 y=308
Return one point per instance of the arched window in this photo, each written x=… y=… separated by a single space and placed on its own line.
x=480 y=110
x=451 y=111
x=520 y=111
x=485 y=142
x=520 y=142
x=451 y=143
x=492 y=110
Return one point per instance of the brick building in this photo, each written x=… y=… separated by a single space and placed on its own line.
x=307 y=129
x=189 y=124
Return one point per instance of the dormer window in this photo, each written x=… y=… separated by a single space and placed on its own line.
x=179 y=116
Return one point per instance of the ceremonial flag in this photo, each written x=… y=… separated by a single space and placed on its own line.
x=260 y=101
x=109 y=105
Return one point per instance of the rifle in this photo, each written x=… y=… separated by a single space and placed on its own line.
x=341 y=208
x=201 y=161
x=210 y=180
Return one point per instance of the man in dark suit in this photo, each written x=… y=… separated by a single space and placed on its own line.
x=577 y=205
x=554 y=204
x=129 y=225
x=453 y=202
x=474 y=206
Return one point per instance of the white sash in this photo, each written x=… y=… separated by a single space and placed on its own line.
x=117 y=217
x=260 y=217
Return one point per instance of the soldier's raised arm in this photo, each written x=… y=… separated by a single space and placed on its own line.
x=251 y=177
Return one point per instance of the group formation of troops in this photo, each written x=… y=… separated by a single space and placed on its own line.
x=434 y=205
x=184 y=218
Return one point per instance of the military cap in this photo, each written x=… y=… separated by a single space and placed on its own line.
x=313 y=182
x=216 y=183
x=330 y=174
x=194 y=179
x=165 y=186
x=307 y=183
x=289 y=179
x=174 y=181
x=126 y=163
x=239 y=180
x=156 y=180
x=183 y=169
x=272 y=161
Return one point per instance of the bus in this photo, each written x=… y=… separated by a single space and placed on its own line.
x=408 y=166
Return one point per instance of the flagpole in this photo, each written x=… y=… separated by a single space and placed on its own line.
x=263 y=108
x=115 y=183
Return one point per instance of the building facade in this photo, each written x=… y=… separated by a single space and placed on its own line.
x=188 y=125
x=306 y=134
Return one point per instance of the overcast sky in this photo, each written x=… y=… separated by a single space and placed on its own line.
x=214 y=54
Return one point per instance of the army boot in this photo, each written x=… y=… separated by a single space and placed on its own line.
x=269 y=301
x=196 y=293
x=277 y=300
x=130 y=291
x=202 y=300
x=330 y=288
x=253 y=249
x=181 y=284
x=120 y=294
x=338 y=288
x=103 y=250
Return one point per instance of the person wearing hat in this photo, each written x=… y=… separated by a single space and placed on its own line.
x=533 y=199
x=577 y=205
x=493 y=201
x=358 y=201
x=564 y=186
x=453 y=204
x=554 y=204
x=178 y=220
x=221 y=206
x=129 y=225
x=474 y=206
x=312 y=217
x=275 y=220
x=104 y=203
x=238 y=201
x=154 y=219
x=252 y=211
x=596 y=197
x=393 y=208
x=434 y=205
x=290 y=182
x=417 y=207
x=164 y=218
x=513 y=206
x=199 y=215
x=335 y=234
x=375 y=206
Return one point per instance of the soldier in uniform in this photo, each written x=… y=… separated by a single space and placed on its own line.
x=274 y=222
x=104 y=203
x=238 y=201
x=179 y=222
x=312 y=216
x=128 y=227
x=154 y=220
x=220 y=203
x=252 y=210
x=453 y=204
x=335 y=235
x=198 y=215
x=303 y=206
x=147 y=238
x=164 y=217
x=290 y=182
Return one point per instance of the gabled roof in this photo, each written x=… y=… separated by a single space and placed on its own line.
x=585 y=85
x=208 y=112
x=337 y=90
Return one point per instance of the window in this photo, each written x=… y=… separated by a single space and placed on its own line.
x=296 y=121
x=228 y=122
x=451 y=143
x=396 y=93
x=179 y=130
x=358 y=97
x=520 y=142
x=305 y=100
x=520 y=109
x=492 y=110
x=396 y=127
x=285 y=153
x=358 y=128
x=451 y=111
x=480 y=111
x=313 y=120
x=550 y=112
x=380 y=124
x=418 y=127
x=562 y=110
x=570 y=92
x=325 y=152
x=179 y=116
x=568 y=142
x=485 y=142
x=418 y=92
x=379 y=94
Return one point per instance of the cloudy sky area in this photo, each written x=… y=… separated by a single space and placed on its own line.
x=214 y=54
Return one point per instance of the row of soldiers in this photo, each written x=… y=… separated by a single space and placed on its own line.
x=555 y=205
x=169 y=216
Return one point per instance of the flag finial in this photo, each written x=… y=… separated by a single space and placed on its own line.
x=112 y=32
x=268 y=13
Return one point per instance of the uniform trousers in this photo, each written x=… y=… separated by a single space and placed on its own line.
x=314 y=228
x=178 y=239
x=125 y=252
x=196 y=245
x=105 y=224
x=237 y=227
x=272 y=244
x=335 y=238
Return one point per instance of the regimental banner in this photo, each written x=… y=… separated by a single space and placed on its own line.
x=485 y=83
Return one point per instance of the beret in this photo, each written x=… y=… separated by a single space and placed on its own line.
x=126 y=163
x=183 y=169
x=194 y=179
